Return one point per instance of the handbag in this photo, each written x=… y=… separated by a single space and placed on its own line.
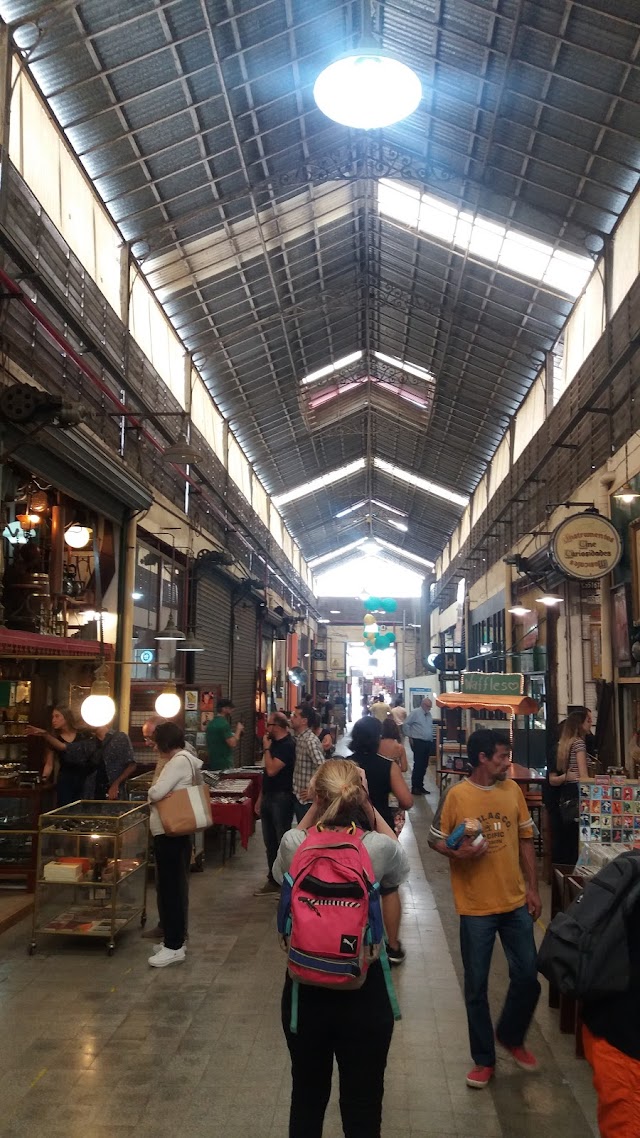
x=186 y=811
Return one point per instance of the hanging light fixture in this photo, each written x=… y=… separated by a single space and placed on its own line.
x=366 y=89
x=98 y=708
x=77 y=536
x=28 y=521
x=519 y=610
x=549 y=599
x=190 y=644
x=170 y=631
x=168 y=703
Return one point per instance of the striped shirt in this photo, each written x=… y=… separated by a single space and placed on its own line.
x=309 y=756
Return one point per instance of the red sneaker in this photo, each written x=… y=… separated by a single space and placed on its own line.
x=480 y=1077
x=522 y=1057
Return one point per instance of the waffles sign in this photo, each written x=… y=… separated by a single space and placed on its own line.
x=586 y=547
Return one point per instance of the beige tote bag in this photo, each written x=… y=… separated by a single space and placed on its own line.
x=187 y=810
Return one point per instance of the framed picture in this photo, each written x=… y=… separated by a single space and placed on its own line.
x=634 y=558
x=621 y=635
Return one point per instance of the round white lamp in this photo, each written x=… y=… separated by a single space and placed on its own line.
x=168 y=703
x=367 y=90
x=77 y=537
x=98 y=708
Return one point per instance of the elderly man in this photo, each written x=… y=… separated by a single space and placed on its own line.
x=418 y=727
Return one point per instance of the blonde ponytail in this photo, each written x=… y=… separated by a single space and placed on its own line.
x=339 y=790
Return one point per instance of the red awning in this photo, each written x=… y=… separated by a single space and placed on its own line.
x=32 y=644
x=512 y=705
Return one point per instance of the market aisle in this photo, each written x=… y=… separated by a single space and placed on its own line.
x=110 y=1047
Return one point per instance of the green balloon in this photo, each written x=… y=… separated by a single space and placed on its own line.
x=372 y=603
x=388 y=604
x=392 y=637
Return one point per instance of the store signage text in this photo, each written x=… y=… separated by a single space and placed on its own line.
x=492 y=683
x=586 y=547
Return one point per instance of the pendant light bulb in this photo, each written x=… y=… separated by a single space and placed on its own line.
x=98 y=708
x=77 y=537
x=168 y=703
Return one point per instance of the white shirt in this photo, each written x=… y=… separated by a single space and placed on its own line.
x=177 y=774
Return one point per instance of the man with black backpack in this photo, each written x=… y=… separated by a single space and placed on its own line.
x=591 y=952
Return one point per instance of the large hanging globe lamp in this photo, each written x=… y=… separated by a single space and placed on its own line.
x=367 y=90
x=98 y=709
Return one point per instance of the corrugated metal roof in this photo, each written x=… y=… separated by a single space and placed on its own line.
x=259 y=224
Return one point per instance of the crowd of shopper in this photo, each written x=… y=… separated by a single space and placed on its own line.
x=482 y=826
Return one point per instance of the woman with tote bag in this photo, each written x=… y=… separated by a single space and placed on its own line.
x=172 y=853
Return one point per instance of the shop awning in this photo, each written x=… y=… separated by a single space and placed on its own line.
x=23 y=644
x=511 y=705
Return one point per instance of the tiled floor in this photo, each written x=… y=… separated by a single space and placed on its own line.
x=107 y=1048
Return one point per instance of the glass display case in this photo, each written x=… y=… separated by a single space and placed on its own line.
x=91 y=870
x=20 y=808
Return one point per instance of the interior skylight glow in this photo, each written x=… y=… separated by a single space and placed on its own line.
x=508 y=248
x=336 y=553
x=411 y=369
x=412 y=479
x=317 y=483
x=331 y=368
x=398 y=525
x=367 y=90
x=404 y=553
x=388 y=508
x=351 y=509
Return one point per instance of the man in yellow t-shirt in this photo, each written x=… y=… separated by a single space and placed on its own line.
x=495 y=890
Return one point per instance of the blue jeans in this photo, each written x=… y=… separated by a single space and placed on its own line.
x=477 y=936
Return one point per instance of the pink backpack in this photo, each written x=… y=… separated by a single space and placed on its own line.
x=329 y=917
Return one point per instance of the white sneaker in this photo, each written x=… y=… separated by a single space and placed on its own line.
x=167 y=956
x=160 y=946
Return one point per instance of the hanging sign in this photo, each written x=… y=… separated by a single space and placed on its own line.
x=492 y=683
x=586 y=547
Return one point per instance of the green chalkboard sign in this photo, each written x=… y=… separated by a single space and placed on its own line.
x=492 y=683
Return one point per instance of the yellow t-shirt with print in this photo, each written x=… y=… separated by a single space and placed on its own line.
x=493 y=883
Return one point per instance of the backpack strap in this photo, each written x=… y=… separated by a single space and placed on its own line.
x=391 y=992
x=293 y=1023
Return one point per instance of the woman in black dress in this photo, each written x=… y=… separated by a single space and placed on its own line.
x=72 y=748
x=383 y=778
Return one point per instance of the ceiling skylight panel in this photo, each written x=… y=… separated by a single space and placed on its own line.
x=352 y=509
x=389 y=509
x=400 y=202
x=318 y=483
x=437 y=218
x=315 y=561
x=404 y=553
x=411 y=369
x=331 y=368
x=413 y=479
x=507 y=248
x=398 y=525
x=568 y=272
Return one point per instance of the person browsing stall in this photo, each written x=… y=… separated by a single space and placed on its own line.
x=220 y=738
x=309 y=756
x=114 y=762
x=276 y=808
x=495 y=890
x=172 y=853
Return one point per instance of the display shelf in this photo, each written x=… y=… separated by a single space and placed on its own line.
x=95 y=837
x=20 y=808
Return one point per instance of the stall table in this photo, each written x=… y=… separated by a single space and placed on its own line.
x=235 y=816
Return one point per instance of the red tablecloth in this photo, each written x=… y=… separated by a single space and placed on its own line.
x=238 y=815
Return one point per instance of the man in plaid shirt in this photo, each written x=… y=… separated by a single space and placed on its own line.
x=309 y=756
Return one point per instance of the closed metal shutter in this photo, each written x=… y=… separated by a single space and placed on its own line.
x=213 y=626
x=244 y=678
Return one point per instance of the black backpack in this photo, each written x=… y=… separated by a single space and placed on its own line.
x=585 y=951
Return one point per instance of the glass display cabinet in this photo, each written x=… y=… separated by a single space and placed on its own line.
x=20 y=808
x=91 y=870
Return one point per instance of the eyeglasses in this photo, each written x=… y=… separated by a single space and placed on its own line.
x=148 y=741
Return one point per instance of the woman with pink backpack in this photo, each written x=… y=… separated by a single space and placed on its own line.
x=338 y=998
